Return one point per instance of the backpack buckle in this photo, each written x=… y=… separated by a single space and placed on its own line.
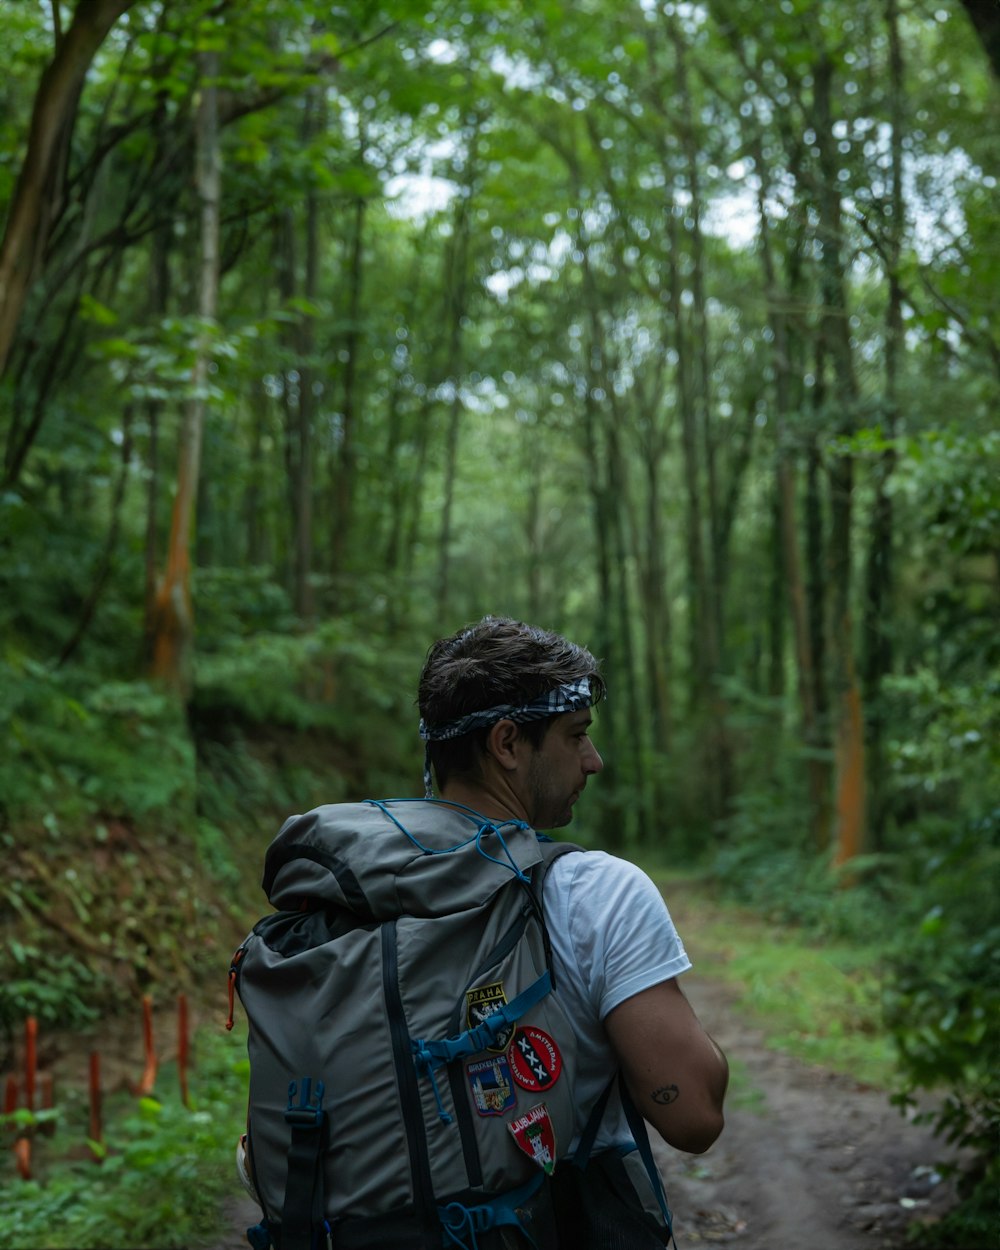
x=307 y=1114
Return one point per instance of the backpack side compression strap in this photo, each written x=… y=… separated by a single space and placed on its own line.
x=303 y=1212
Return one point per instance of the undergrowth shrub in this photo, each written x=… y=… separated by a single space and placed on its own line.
x=766 y=862
x=163 y=1172
x=77 y=747
x=942 y=998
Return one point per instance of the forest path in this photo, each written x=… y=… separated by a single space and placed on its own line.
x=809 y=1159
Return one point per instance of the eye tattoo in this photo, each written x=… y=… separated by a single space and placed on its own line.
x=665 y=1095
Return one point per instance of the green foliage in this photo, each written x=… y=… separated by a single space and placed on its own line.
x=971 y=1225
x=943 y=990
x=42 y=981
x=794 y=885
x=955 y=474
x=161 y=1178
x=817 y=999
x=945 y=747
x=77 y=747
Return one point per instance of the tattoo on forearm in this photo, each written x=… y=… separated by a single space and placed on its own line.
x=665 y=1095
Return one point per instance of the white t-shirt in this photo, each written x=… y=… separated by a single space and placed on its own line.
x=612 y=936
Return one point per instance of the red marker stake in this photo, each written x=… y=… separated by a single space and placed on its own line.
x=96 y=1129
x=30 y=1059
x=182 y=1047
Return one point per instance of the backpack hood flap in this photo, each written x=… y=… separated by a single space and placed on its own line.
x=400 y=857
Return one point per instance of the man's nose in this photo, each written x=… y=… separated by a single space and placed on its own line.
x=592 y=762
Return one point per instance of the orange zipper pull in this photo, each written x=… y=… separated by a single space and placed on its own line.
x=232 y=988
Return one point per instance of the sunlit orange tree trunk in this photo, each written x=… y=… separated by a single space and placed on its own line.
x=172 y=626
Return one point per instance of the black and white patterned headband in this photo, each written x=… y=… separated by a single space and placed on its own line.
x=573 y=697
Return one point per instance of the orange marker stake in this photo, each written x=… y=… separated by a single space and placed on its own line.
x=149 y=1072
x=22 y=1155
x=30 y=1059
x=182 y=1047
x=96 y=1128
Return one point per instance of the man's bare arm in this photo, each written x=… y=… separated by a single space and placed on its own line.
x=675 y=1072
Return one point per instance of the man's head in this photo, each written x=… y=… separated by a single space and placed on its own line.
x=493 y=693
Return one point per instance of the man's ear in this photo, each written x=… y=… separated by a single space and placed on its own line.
x=502 y=742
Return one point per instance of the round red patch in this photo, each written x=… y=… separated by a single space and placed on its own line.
x=535 y=1061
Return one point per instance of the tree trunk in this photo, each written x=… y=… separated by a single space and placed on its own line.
x=159 y=295
x=456 y=295
x=344 y=493
x=850 y=782
x=106 y=562
x=700 y=664
x=791 y=561
x=302 y=539
x=173 y=632
x=37 y=198
x=877 y=629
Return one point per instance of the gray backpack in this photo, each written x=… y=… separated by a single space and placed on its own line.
x=410 y=1070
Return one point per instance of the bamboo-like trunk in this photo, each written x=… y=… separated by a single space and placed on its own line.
x=173 y=632
x=850 y=754
x=877 y=629
x=791 y=560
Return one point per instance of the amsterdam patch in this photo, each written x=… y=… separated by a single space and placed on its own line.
x=535 y=1060
x=491 y=1085
x=536 y=1136
x=480 y=1003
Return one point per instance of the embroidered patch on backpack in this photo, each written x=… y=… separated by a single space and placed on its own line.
x=491 y=1085
x=535 y=1060
x=480 y=1003
x=536 y=1136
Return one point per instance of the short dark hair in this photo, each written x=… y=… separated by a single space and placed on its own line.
x=496 y=661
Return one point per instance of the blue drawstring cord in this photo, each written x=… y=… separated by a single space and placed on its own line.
x=459 y=1221
x=464 y=1227
x=424 y=1061
x=485 y=827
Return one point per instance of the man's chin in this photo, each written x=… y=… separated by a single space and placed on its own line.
x=559 y=823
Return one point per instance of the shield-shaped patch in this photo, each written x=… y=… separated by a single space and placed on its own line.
x=536 y=1136
x=480 y=1003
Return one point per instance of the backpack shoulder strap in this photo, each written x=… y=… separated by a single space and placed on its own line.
x=551 y=851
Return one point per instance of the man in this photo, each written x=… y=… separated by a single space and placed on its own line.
x=506 y=711
x=423 y=1049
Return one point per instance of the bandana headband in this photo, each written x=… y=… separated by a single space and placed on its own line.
x=573 y=697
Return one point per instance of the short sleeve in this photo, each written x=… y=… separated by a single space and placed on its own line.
x=621 y=937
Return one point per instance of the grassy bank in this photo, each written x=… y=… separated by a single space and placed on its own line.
x=820 y=1001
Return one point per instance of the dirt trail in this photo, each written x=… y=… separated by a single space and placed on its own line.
x=811 y=1161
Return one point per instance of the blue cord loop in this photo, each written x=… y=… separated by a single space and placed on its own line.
x=461 y=1224
x=425 y=1067
x=484 y=827
x=487 y=828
